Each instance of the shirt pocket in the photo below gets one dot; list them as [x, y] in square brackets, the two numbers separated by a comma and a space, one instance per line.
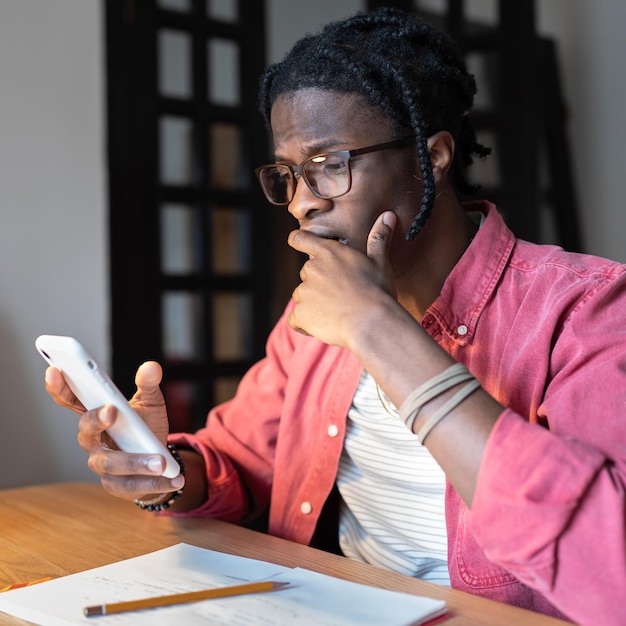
[473, 568]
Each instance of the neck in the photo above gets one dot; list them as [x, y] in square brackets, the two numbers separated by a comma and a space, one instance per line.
[442, 243]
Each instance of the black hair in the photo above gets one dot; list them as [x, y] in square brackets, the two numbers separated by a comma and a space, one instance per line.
[401, 65]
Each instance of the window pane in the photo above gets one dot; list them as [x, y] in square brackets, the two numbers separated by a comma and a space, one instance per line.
[230, 245]
[182, 326]
[227, 167]
[175, 5]
[223, 64]
[174, 64]
[181, 239]
[176, 158]
[484, 67]
[482, 12]
[223, 10]
[182, 400]
[232, 316]
[486, 172]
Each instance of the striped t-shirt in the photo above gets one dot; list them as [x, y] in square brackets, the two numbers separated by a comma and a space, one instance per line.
[392, 493]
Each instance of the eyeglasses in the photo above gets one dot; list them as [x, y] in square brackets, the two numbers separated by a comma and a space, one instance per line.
[326, 175]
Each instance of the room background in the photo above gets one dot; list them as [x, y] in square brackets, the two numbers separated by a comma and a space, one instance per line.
[53, 186]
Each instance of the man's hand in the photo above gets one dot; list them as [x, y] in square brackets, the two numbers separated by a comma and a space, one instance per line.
[122, 474]
[340, 283]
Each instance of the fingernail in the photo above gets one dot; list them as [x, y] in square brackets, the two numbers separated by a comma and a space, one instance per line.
[387, 219]
[178, 482]
[104, 415]
[155, 464]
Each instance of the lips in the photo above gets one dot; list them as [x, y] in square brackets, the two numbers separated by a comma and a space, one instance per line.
[329, 237]
[339, 239]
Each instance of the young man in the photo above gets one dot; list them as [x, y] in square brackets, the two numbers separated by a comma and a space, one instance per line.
[507, 482]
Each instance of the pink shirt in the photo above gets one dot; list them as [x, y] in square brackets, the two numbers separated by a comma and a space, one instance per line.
[545, 333]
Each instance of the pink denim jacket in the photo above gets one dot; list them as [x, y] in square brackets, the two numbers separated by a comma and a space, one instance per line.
[545, 333]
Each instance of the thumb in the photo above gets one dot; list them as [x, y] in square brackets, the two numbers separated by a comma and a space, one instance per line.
[380, 236]
[148, 378]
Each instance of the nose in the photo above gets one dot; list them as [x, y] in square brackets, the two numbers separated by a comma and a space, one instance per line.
[304, 202]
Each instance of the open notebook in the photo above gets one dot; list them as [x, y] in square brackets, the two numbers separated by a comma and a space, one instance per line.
[309, 599]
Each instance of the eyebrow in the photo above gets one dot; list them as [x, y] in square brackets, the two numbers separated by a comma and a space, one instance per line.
[330, 145]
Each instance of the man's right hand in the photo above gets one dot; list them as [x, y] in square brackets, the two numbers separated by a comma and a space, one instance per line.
[122, 474]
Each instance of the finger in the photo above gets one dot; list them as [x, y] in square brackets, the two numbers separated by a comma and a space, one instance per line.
[308, 243]
[293, 324]
[105, 462]
[91, 427]
[380, 236]
[60, 392]
[136, 486]
[149, 400]
[148, 380]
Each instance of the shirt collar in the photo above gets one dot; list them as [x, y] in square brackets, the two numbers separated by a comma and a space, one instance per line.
[472, 281]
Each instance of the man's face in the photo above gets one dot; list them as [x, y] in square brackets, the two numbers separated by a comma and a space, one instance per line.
[313, 121]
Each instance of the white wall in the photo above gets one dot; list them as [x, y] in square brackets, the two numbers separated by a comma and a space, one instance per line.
[53, 228]
[592, 51]
[53, 268]
[287, 21]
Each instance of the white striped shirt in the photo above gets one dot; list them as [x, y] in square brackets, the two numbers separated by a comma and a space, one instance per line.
[392, 493]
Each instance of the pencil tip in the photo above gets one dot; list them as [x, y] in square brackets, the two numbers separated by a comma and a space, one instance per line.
[93, 611]
[280, 585]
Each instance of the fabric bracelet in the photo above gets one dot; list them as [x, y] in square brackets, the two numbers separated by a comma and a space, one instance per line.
[432, 388]
[451, 404]
[165, 500]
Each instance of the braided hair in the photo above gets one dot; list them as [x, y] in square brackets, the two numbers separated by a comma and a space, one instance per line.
[400, 65]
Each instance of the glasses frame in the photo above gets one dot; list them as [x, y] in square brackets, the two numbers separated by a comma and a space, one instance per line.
[297, 171]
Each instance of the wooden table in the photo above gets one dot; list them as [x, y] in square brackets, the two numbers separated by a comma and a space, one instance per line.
[55, 530]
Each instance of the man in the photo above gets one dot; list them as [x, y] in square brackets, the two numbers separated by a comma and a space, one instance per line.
[508, 481]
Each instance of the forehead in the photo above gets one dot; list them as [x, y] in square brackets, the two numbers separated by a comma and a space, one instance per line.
[319, 118]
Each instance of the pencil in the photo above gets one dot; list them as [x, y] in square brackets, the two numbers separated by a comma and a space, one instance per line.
[28, 584]
[180, 598]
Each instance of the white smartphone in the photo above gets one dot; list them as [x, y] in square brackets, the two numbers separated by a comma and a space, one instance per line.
[94, 389]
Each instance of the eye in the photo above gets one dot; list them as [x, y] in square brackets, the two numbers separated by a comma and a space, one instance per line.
[330, 164]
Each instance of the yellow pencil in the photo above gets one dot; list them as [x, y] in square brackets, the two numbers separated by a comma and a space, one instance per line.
[28, 584]
[181, 598]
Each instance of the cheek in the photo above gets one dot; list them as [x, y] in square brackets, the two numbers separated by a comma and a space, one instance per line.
[406, 197]
[390, 187]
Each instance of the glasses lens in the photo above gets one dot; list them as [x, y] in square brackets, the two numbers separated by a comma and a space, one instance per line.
[328, 175]
[277, 183]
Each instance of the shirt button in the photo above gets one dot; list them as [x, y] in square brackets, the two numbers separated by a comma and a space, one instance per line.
[333, 430]
[306, 508]
[462, 330]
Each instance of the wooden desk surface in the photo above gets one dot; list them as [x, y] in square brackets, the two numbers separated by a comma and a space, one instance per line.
[55, 530]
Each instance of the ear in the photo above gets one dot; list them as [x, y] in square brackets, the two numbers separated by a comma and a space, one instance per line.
[441, 153]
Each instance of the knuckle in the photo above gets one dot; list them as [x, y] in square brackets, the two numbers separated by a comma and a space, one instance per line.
[131, 487]
[379, 237]
[97, 465]
[106, 462]
[89, 424]
[137, 464]
[82, 440]
[120, 486]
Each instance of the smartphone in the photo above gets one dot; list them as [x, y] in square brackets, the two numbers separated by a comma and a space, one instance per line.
[94, 389]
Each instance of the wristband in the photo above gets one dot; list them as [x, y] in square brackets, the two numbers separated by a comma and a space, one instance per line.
[449, 406]
[432, 388]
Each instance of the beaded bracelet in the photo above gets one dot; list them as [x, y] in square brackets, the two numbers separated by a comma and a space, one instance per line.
[164, 501]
